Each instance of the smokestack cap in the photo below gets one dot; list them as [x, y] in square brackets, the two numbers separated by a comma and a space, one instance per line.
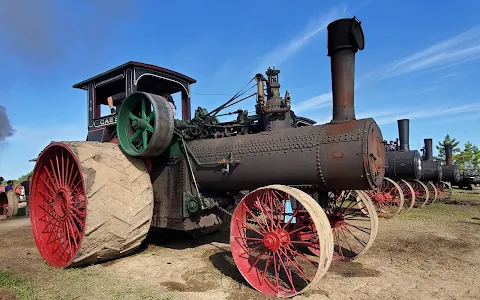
[345, 34]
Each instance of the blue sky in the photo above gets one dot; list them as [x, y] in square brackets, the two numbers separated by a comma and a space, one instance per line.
[421, 60]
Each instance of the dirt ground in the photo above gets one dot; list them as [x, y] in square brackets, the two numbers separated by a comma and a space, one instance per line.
[427, 253]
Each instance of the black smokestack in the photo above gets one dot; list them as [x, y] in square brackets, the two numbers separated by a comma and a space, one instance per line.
[6, 129]
[345, 38]
[403, 134]
[448, 153]
[428, 149]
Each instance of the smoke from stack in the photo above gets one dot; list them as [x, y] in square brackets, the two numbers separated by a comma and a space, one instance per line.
[6, 129]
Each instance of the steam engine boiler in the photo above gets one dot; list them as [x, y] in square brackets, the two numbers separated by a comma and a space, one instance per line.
[450, 172]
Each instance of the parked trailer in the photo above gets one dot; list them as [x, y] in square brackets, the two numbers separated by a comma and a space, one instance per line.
[143, 168]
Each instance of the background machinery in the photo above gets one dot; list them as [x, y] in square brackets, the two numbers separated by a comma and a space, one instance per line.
[401, 188]
[432, 173]
[97, 199]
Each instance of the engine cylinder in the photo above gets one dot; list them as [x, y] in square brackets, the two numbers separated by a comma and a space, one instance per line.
[332, 156]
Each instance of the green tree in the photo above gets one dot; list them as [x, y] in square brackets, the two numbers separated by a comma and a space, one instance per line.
[24, 177]
[441, 148]
[469, 157]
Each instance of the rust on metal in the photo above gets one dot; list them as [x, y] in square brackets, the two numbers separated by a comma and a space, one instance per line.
[345, 38]
[449, 154]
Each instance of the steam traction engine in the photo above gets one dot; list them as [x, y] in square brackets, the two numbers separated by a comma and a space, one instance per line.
[143, 168]
[401, 188]
[450, 173]
[432, 173]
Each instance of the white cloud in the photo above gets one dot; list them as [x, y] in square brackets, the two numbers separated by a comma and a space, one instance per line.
[283, 52]
[384, 117]
[451, 75]
[425, 112]
[322, 100]
[428, 89]
[458, 49]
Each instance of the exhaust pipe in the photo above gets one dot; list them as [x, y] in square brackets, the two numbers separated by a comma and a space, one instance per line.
[403, 134]
[428, 150]
[345, 38]
[449, 154]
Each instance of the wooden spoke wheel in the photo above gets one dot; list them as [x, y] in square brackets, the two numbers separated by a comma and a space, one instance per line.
[432, 191]
[444, 191]
[387, 198]
[421, 192]
[408, 195]
[265, 240]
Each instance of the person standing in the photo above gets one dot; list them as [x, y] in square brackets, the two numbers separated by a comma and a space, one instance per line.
[12, 200]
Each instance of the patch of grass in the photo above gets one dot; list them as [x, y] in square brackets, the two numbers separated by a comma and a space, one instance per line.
[466, 195]
[21, 287]
[442, 213]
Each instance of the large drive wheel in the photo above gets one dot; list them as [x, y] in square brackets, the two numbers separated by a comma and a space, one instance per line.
[387, 198]
[89, 203]
[265, 241]
[408, 195]
[444, 191]
[421, 193]
[432, 191]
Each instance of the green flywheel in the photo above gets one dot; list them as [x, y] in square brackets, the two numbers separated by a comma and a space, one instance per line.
[145, 124]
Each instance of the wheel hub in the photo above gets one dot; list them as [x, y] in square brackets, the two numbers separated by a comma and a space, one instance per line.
[275, 239]
[336, 219]
[379, 197]
[62, 202]
[139, 124]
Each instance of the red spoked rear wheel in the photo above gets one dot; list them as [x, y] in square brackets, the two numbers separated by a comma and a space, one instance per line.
[58, 206]
[265, 241]
[444, 191]
[421, 192]
[387, 198]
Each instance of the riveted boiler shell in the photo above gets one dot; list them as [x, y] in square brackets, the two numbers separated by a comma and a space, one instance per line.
[431, 171]
[451, 173]
[332, 156]
[403, 165]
